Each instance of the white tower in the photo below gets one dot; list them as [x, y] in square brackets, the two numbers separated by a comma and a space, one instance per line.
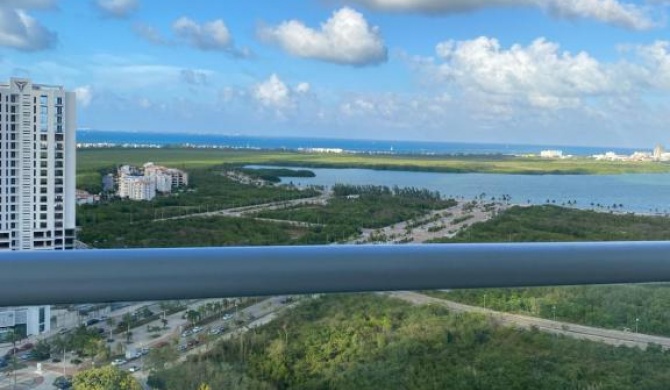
[37, 179]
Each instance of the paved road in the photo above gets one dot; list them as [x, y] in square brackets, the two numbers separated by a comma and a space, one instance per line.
[607, 336]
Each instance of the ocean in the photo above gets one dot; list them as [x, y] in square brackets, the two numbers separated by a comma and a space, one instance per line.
[348, 145]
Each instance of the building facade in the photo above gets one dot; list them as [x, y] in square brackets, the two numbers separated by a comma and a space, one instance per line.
[137, 187]
[143, 184]
[37, 178]
[27, 320]
[37, 166]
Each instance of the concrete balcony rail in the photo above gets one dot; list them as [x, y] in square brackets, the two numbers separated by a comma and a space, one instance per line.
[55, 277]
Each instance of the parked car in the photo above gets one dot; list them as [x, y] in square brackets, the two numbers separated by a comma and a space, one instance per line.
[119, 362]
[63, 382]
[227, 316]
[134, 369]
[215, 331]
[91, 321]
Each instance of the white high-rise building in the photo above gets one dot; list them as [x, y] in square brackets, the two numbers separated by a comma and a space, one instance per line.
[37, 178]
[37, 166]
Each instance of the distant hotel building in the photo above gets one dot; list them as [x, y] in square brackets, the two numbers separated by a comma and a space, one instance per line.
[37, 179]
[137, 185]
[551, 154]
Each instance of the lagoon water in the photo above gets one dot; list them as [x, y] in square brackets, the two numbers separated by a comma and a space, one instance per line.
[642, 193]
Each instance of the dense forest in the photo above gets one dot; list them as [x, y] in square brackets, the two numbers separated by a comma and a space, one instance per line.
[553, 223]
[372, 342]
[618, 307]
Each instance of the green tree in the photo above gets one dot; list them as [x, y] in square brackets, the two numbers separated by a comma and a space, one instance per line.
[105, 378]
[192, 316]
[158, 358]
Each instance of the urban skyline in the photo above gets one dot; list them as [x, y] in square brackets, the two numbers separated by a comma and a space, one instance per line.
[442, 70]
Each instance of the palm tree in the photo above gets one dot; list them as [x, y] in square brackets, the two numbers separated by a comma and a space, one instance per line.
[192, 316]
[110, 323]
[218, 307]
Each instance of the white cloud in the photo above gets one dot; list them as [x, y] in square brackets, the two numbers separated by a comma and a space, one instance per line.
[84, 95]
[627, 15]
[656, 60]
[273, 93]
[20, 31]
[620, 14]
[208, 36]
[212, 35]
[345, 38]
[302, 87]
[117, 8]
[538, 74]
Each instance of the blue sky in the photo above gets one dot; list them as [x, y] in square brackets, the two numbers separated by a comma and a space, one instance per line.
[580, 72]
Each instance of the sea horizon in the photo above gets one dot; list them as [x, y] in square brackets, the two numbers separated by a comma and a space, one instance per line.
[368, 146]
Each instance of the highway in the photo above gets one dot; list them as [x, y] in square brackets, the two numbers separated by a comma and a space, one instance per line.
[582, 332]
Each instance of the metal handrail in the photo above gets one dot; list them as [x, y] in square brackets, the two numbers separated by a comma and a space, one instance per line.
[54, 277]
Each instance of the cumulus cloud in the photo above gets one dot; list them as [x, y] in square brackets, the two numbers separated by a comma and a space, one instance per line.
[273, 92]
[345, 38]
[540, 74]
[117, 8]
[212, 35]
[656, 60]
[615, 12]
[279, 99]
[84, 95]
[208, 36]
[20, 31]
[620, 14]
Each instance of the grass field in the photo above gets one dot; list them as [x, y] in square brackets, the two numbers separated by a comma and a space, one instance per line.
[91, 161]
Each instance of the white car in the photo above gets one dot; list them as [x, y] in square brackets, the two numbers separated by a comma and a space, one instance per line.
[134, 369]
[118, 362]
[227, 316]
[197, 329]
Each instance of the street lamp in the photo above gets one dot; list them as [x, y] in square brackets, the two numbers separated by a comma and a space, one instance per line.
[553, 308]
[637, 321]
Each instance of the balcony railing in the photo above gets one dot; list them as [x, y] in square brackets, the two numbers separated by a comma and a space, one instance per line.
[41, 277]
